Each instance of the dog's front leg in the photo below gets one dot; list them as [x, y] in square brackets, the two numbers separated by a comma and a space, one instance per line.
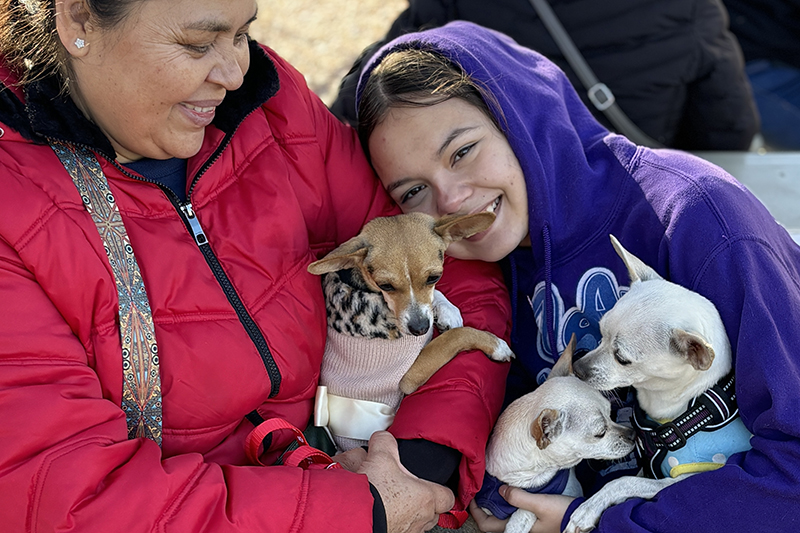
[446, 315]
[521, 521]
[586, 516]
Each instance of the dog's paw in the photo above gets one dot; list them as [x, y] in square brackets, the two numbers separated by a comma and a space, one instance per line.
[585, 517]
[409, 384]
[447, 315]
[502, 352]
[572, 528]
[521, 521]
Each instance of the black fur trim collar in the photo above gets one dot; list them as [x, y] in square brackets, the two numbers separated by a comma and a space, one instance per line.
[50, 114]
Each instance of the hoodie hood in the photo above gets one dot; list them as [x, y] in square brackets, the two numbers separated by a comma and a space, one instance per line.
[563, 151]
[571, 163]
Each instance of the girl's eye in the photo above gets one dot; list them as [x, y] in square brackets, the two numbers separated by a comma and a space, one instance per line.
[411, 193]
[462, 152]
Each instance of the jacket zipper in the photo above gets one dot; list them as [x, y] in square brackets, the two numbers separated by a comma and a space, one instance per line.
[189, 217]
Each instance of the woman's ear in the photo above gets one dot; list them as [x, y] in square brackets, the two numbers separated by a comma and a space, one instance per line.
[73, 26]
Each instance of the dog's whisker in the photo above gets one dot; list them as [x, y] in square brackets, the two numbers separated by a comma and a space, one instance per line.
[612, 396]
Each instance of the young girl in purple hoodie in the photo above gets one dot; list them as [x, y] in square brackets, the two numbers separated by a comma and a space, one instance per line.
[461, 119]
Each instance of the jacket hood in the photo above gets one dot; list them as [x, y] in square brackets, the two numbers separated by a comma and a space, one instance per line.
[562, 150]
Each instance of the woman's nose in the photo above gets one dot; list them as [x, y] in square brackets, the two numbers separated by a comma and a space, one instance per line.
[229, 71]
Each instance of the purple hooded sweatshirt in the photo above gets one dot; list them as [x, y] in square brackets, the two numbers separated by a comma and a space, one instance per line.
[688, 219]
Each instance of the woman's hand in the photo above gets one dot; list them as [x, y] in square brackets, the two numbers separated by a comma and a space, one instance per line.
[548, 508]
[412, 505]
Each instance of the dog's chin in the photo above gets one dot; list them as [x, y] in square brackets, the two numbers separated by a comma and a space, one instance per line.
[617, 454]
[604, 384]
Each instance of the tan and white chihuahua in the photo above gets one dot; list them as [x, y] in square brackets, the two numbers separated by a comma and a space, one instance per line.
[380, 286]
[670, 344]
[543, 434]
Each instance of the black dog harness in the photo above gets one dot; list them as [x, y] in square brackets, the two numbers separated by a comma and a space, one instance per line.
[713, 409]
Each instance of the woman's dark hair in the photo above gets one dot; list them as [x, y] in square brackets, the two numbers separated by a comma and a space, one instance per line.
[29, 42]
[416, 78]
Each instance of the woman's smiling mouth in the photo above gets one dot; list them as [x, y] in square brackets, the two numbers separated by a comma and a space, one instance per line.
[199, 115]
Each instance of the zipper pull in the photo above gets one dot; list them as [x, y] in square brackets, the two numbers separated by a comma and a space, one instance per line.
[197, 229]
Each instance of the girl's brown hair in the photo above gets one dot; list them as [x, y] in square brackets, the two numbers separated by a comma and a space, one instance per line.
[415, 78]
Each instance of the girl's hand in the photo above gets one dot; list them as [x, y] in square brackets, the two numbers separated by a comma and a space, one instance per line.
[548, 508]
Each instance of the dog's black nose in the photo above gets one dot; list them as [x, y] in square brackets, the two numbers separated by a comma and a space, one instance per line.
[419, 324]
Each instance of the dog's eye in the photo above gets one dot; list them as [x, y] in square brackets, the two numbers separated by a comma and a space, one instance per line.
[600, 434]
[386, 287]
[620, 360]
[433, 278]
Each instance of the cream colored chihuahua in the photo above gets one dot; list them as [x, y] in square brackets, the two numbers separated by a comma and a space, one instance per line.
[382, 305]
[669, 343]
[540, 436]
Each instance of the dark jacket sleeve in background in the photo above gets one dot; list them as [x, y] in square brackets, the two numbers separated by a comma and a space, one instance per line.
[674, 67]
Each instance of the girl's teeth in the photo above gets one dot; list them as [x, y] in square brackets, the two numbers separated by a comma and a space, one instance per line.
[494, 205]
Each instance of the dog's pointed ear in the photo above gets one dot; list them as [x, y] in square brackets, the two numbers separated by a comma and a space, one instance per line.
[453, 228]
[349, 254]
[547, 426]
[637, 270]
[697, 351]
[563, 366]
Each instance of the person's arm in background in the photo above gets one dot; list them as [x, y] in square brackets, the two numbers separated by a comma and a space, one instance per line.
[720, 112]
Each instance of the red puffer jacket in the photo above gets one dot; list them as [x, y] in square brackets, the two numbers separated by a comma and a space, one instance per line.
[278, 183]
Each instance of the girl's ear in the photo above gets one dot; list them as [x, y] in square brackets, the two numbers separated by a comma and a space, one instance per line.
[73, 26]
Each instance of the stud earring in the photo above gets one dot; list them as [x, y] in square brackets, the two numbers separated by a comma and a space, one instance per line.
[80, 43]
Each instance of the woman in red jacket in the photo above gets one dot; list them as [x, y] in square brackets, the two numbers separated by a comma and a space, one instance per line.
[166, 181]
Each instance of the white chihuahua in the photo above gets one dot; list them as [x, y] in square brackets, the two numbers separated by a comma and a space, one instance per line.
[669, 343]
[540, 436]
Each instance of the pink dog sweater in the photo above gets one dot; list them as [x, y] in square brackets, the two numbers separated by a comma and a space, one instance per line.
[359, 384]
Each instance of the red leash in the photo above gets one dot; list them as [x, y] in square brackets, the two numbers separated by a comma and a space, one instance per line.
[305, 456]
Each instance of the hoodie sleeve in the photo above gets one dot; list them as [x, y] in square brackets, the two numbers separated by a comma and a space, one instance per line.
[755, 283]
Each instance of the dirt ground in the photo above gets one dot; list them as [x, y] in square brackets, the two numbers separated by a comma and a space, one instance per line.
[321, 38]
